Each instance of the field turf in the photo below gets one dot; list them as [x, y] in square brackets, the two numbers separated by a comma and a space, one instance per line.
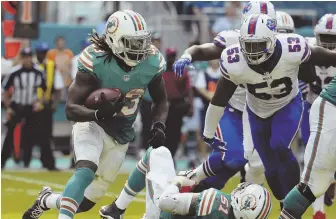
[19, 190]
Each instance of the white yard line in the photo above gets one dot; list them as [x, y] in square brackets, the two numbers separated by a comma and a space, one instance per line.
[53, 185]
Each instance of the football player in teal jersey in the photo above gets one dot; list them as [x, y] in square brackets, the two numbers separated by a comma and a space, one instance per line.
[123, 58]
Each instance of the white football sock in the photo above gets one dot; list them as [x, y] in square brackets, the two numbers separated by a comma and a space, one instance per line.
[318, 205]
[124, 200]
[51, 201]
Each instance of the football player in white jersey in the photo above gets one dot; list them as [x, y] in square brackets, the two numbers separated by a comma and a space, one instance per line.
[230, 128]
[325, 36]
[254, 168]
[267, 64]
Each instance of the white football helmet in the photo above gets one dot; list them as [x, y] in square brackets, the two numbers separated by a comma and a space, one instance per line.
[285, 23]
[325, 32]
[127, 35]
[258, 38]
[251, 201]
[258, 7]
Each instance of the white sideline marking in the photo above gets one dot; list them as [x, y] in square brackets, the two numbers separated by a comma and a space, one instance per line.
[51, 184]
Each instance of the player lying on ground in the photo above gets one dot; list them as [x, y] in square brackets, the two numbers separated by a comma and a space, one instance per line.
[136, 183]
[124, 59]
[319, 158]
[164, 200]
[267, 64]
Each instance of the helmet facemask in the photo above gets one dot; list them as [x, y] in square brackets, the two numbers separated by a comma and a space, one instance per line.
[256, 51]
[327, 41]
[133, 49]
[284, 30]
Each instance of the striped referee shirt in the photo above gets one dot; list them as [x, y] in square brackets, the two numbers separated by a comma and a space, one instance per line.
[25, 83]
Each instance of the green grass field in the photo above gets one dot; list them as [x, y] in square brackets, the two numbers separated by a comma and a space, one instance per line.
[19, 190]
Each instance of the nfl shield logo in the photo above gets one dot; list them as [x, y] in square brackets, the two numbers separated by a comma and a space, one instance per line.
[126, 78]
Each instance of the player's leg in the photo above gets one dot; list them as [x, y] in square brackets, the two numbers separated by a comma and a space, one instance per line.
[257, 134]
[230, 130]
[320, 161]
[88, 145]
[285, 125]
[160, 171]
[134, 184]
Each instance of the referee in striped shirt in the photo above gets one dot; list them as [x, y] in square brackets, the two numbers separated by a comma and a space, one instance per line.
[23, 106]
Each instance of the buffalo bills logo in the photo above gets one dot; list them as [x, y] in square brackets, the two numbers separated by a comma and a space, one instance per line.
[247, 8]
[112, 25]
[271, 24]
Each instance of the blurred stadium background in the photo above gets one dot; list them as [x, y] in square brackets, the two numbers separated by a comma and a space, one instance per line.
[175, 25]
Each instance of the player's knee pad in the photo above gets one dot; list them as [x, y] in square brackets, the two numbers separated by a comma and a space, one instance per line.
[87, 164]
[96, 190]
[305, 190]
[176, 203]
[85, 205]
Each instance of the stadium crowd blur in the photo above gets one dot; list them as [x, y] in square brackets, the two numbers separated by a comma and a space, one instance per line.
[62, 29]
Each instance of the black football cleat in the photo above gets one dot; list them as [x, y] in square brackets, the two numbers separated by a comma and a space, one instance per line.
[111, 212]
[36, 210]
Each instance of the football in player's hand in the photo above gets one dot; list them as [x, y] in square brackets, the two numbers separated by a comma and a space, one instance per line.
[98, 96]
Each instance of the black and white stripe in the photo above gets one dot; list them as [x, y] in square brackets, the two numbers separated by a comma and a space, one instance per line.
[25, 83]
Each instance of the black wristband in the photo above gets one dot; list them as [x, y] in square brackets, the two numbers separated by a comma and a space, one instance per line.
[159, 125]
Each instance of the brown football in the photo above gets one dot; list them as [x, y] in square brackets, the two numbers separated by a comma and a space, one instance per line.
[95, 98]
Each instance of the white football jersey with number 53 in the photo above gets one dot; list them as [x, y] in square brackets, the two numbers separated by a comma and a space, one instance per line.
[268, 91]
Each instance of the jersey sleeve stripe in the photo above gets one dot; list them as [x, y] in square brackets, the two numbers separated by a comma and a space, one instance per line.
[306, 53]
[85, 64]
[87, 55]
[85, 59]
[200, 210]
[220, 41]
[206, 202]
[211, 201]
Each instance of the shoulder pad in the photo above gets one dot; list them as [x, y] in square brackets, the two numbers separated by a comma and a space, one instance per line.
[226, 38]
[294, 47]
[232, 63]
[88, 58]
[157, 60]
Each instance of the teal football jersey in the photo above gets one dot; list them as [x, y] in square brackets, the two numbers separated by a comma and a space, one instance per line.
[132, 85]
[210, 204]
[329, 93]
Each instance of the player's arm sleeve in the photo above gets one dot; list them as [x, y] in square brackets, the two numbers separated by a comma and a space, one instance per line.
[322, 57]
[224, 91]
[220, 41]
[85, 62]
